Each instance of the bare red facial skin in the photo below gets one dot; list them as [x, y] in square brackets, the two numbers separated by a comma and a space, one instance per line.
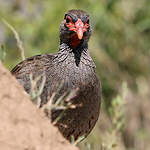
[79, 28]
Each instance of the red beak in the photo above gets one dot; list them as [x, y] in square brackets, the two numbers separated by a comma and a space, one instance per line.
[79, 28]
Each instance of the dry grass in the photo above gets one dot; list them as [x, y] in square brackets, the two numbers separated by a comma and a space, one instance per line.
[16, 35]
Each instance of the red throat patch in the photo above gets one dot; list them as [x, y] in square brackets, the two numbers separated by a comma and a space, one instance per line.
[74, 41]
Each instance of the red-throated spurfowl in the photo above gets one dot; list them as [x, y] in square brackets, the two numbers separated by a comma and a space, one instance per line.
[74, 66]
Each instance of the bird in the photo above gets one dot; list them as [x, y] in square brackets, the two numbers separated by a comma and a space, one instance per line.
[73, 65]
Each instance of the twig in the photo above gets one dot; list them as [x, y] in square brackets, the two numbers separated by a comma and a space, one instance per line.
[75, 142]
[35, 90]
[19, 42]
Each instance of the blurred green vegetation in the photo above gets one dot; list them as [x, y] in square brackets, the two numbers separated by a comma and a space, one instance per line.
[120, 46]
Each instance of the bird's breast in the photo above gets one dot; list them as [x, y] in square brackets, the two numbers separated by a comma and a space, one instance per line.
[76, 75]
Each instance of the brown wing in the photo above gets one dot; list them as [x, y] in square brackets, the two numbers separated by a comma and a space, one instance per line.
[35, 65]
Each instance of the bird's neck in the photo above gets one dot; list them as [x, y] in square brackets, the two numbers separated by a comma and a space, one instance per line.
[79, 54]
[78, 51]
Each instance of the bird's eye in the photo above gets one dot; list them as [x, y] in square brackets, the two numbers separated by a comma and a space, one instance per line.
[68, 19]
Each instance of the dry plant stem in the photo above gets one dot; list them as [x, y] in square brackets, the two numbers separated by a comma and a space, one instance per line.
[46, 108]
[117, 114]
[35, 93]
[48, 105]
[74, 143]
[19, 42]
[59, 104]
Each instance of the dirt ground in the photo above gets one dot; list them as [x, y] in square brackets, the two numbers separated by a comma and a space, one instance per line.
[22, 125]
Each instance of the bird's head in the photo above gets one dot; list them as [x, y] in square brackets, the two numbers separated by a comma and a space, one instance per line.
[75, 28]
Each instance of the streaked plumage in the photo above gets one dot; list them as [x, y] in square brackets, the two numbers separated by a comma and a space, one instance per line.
[74, 65]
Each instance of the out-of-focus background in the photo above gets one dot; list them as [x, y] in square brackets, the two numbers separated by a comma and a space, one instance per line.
[120, 47]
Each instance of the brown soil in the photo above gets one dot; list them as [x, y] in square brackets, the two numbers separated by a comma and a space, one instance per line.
[22, 125]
